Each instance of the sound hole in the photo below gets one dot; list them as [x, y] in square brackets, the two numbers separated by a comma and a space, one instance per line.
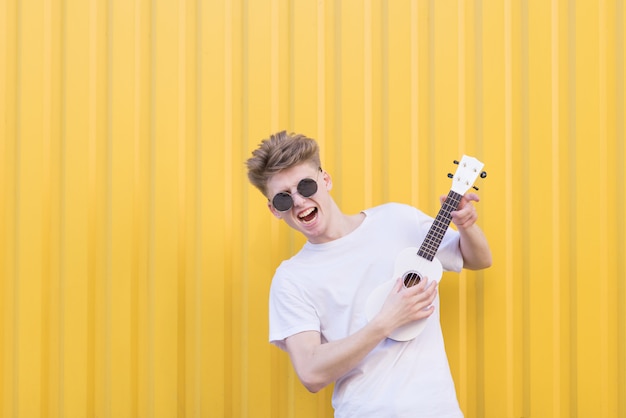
[411, 278]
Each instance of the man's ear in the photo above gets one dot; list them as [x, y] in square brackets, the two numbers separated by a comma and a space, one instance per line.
[276, 213]
[328, 181]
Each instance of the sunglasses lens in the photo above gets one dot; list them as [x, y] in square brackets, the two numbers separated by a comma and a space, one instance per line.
[307, 187]
[282, 201]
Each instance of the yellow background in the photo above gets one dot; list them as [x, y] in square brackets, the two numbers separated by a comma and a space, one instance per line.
[135, 259]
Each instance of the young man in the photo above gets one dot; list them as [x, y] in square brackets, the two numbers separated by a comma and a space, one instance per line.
[318, 297]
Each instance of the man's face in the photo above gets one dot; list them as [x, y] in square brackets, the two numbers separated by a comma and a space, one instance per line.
[307, 211]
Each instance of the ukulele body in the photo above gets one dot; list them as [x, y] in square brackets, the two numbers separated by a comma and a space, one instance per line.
[408, 264]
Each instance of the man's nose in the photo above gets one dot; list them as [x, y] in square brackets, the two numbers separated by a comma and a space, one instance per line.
[298, 199]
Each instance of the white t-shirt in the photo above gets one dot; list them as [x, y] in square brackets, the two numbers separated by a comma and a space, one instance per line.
[324, 288]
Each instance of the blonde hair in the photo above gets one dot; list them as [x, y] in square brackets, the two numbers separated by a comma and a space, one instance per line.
[279, 152]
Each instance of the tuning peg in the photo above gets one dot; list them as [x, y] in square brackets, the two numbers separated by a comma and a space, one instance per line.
[483, 174]
[475, 188]
[450, 175]
[455, 162]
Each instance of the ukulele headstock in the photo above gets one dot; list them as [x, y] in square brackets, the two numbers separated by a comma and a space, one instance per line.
[466, 174]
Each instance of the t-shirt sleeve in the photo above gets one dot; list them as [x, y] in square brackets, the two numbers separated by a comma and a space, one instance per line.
[290, 311]
[449, 253]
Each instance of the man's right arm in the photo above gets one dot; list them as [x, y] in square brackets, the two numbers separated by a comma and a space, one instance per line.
[319, 364]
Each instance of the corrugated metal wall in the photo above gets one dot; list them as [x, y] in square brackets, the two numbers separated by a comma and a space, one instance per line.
[135, 259]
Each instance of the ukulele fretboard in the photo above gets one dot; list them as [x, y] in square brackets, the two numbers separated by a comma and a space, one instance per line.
[431, 243]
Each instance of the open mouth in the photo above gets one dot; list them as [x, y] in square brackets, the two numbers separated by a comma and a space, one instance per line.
[308, 215]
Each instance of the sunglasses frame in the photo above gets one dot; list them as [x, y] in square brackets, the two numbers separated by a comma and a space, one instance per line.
[298, 187]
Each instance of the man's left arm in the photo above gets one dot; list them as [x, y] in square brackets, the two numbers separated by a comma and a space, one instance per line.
[473, 243]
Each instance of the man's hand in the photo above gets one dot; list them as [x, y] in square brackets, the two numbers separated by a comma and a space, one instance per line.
[408, 304]
[465, 216]
[474, 246]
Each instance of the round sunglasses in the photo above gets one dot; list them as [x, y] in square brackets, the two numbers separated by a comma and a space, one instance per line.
[283, 201]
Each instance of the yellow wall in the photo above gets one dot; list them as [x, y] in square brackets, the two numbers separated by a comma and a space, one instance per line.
[135, 259]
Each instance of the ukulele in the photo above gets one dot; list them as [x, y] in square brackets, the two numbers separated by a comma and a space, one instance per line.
[413, 264]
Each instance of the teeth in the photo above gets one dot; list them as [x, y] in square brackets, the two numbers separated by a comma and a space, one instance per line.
[305, 213]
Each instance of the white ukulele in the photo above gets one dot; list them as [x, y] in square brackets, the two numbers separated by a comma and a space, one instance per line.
[412, 264]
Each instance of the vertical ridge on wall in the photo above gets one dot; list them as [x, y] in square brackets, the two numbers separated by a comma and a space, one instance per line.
[73, 291]
[431, 109]
[63, 199]
[414, 114]
[46, 200]
[141, 239]
[108, 365]
[561, 128]
[274, 65]
[167, 194]
[183, 273]
[525, 155]
[19, 373]
[97, 221]
[384, 100]
[555, 131]
[199, 364]
[571, 149]
[152, 256]
[216, 122]
[603, 211]
[241, 359]
[229, 132]
[4, 244]
[187, 189]
[138, 226]
[338, 81]
[14, 288]
[367, 102]
[321, 127]
[620, 128]
[50, 228]
[290, 63]
[509, 258]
